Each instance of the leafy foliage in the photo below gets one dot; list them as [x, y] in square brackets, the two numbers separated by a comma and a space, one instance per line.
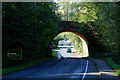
[103, 22]
[113, 65]
[80, 12]
[29, 26]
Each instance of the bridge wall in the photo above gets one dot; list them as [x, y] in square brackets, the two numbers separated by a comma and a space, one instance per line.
[74, 27]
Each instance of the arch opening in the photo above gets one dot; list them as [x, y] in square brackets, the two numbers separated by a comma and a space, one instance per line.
[70, 40]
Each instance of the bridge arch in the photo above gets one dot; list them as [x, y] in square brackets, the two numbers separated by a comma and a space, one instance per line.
[80, 35]
[83, 39]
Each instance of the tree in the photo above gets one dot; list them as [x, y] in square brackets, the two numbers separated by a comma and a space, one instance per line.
[102, 21]
[30, 27]
[81, 12]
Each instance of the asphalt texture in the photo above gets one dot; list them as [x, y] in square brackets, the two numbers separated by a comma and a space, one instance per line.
[62, 69]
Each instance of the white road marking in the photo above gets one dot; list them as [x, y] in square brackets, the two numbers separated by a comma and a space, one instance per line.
[85, 70]
[68, 60]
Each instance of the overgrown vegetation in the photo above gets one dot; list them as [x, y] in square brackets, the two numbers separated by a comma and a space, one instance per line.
[103, 22]
[113, 65]
[31, 26]
[24, 66]
[54, 53]
[28, 26]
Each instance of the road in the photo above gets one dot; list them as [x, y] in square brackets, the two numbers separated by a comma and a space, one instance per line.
[62, 52]
[81, 69]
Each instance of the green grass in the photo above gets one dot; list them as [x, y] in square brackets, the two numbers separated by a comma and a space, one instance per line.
[54, 53]
[23, 66]
[113, 65]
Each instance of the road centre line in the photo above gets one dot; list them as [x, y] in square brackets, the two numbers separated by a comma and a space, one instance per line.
[85, 70]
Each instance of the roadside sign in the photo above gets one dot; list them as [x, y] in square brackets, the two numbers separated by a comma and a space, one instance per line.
[15, 54]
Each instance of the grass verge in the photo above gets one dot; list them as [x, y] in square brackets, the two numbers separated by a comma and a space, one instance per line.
[113, 65]
[23, 66]
[54, 53]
